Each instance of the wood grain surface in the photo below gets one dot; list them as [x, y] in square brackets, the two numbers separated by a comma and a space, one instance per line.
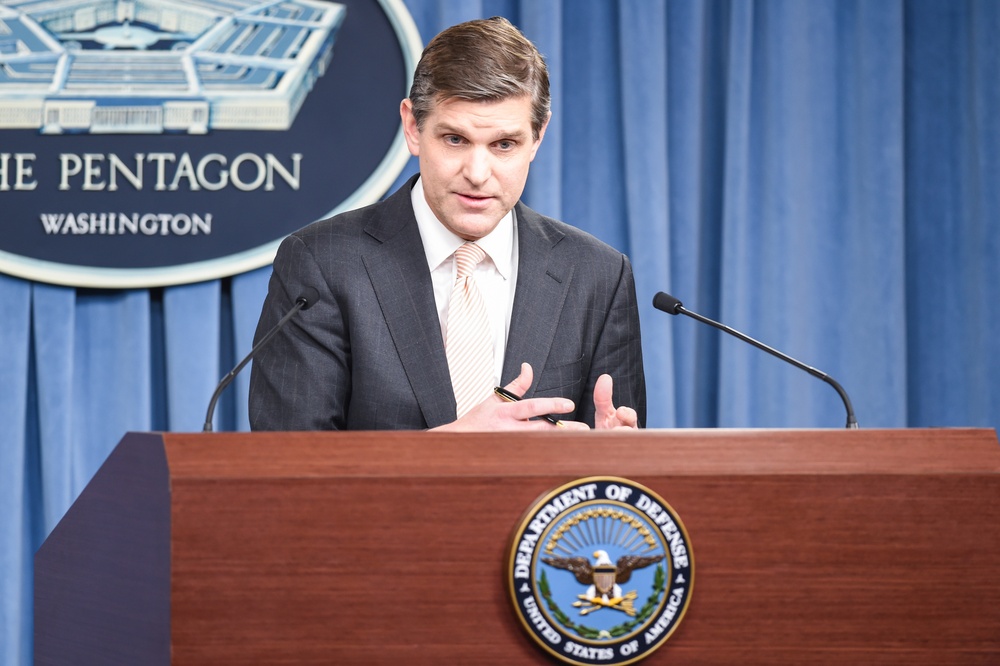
[810, 546]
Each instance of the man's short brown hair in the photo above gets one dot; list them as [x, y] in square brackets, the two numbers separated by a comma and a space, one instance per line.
[487, 60]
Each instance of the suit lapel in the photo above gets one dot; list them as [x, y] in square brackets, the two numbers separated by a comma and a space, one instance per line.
[542, 284]
[398, 272]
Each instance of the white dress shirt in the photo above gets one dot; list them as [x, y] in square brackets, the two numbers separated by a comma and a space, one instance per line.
[495, 275]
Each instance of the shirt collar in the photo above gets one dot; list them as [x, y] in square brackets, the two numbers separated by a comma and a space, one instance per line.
[440, 243]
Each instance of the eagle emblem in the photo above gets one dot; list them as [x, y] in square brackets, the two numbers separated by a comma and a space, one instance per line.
[600, 571]
[603, 579]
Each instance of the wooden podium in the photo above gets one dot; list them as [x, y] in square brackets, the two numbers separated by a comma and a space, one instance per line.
[810, 546]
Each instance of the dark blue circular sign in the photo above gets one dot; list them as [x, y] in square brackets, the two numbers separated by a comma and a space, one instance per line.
[147, 144]
[600, 571]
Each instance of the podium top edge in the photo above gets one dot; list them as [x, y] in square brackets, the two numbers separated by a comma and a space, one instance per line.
[680, 452]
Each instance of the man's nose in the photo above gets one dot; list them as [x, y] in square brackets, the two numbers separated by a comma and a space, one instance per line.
[478, 166]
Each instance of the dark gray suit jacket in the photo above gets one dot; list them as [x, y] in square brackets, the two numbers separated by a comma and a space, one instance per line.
[369, 354]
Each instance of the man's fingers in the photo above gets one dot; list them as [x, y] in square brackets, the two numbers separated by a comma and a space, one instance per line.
[603, 405]
[575, 425]
[522, 382]
[534, 407]
[628, 417]
[527, 411]
[602, 394]
[606, 415]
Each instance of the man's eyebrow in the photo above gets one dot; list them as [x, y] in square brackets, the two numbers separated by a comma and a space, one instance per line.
[517, 134]
[445, 128]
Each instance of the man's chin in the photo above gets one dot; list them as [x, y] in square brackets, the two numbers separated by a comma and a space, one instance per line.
[473, 227]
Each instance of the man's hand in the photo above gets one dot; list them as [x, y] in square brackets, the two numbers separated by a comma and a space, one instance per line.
[496, 414]
[606, 416]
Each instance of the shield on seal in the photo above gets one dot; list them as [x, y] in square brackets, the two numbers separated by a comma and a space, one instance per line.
[604, 578]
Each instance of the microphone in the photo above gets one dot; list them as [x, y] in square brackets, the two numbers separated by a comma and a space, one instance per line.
[308, 297]
[670, 305]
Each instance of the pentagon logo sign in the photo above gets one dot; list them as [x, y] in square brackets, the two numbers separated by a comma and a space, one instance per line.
[155, 142]
[600, 571]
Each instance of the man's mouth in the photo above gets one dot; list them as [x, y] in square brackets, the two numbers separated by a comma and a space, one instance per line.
[474, 199]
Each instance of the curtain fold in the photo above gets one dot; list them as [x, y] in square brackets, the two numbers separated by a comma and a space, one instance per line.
[811, 125]
[696, 89]
[248, 292]
[191, 313]
[16, 509]
[952, 235]
[645, 171]
[542, 22]
[54, 323]
[820, 175]
[111, 388]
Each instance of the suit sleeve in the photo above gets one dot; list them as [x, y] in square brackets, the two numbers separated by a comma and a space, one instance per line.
[301, 380]
[618, 351]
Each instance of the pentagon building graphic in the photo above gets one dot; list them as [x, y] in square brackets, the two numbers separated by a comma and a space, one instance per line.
[153, 66]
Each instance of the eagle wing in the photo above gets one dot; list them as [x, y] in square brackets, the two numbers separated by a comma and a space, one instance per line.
[578, 566]
[628, 563]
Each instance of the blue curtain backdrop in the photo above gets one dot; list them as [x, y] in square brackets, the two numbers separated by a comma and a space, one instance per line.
[822, 175]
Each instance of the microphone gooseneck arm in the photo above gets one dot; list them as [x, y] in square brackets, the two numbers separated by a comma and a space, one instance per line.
[308, 297]
[670, 305]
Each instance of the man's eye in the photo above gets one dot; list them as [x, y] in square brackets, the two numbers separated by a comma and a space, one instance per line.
[452, 139]
[505, 145]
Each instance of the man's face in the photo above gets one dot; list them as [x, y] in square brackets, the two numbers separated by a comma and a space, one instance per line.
[474, 159]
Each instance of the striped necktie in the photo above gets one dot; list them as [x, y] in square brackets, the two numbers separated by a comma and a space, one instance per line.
[470, 343]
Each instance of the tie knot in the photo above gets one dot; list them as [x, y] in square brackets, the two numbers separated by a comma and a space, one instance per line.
[467, 257]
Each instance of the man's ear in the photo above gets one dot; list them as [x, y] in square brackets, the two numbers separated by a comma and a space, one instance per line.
[410, 130]
[541, 135]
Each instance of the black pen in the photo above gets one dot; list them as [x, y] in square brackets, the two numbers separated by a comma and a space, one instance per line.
[513, 397]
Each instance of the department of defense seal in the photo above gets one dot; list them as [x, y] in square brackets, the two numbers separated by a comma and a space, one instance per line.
[600, 571]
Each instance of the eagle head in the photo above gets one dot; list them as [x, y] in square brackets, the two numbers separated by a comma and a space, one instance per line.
[602, 559]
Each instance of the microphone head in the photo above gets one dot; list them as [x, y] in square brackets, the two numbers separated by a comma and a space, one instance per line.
[667, 303]
[308, 297]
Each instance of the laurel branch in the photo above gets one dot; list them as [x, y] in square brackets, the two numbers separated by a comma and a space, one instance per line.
[659, 585]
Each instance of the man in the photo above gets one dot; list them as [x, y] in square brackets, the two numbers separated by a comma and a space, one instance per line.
[375, 351]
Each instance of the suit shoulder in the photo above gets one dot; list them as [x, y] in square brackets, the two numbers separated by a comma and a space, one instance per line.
[342, 235]
[567, 238]
[348, 223]
[378, 221]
